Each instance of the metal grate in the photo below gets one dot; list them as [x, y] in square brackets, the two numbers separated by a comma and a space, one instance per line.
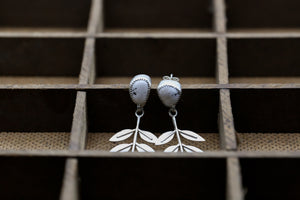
[65, 67]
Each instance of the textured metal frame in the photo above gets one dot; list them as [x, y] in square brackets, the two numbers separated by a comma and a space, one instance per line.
[86, 83]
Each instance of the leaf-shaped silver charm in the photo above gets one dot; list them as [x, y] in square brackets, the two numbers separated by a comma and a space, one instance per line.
[121, 148]
[190, 135]
[122, 135]
[147, 136]
[144, 148]
[165, 138]
[173, 148]
[191, 149]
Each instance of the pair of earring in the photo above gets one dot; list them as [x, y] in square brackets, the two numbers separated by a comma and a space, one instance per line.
[169, 92]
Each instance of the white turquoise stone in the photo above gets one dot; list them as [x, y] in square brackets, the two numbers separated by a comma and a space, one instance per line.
[169, 92]
[139, 89]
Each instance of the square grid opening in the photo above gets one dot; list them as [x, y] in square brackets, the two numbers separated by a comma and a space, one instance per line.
[44, 15]
[267, 120]
[40, 60]
[171, 179]
[264, 60]
[192, 59]
[262, 16]
[36, 119]
[158, 16]
[259, 181]
[31, 178]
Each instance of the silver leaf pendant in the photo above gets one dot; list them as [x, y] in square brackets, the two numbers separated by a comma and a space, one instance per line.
[126, 133]
[189, 135]
[139, 90]
[169, 92]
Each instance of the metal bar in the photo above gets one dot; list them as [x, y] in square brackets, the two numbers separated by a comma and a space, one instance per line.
[234, 180]
[86, 87]
[40, 33]
[70, 181]
[79, 124]
[219, 16]
[226, 124]
[102, 154]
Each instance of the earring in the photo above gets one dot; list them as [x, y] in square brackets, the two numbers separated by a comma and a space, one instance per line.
[169, 92]
[139, 90]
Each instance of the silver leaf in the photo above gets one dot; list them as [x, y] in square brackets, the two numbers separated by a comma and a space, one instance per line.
[176, 150]
[190, 135]
[173, 148]
[144, 148]
[122, 135]
[147, 136]
[165, 138]
[191, 149]
[121, 148]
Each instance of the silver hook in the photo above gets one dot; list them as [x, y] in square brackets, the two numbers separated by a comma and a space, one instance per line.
[171, 77]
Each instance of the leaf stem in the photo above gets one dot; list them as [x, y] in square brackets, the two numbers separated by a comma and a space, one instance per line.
[136, 132]
[177, 133]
